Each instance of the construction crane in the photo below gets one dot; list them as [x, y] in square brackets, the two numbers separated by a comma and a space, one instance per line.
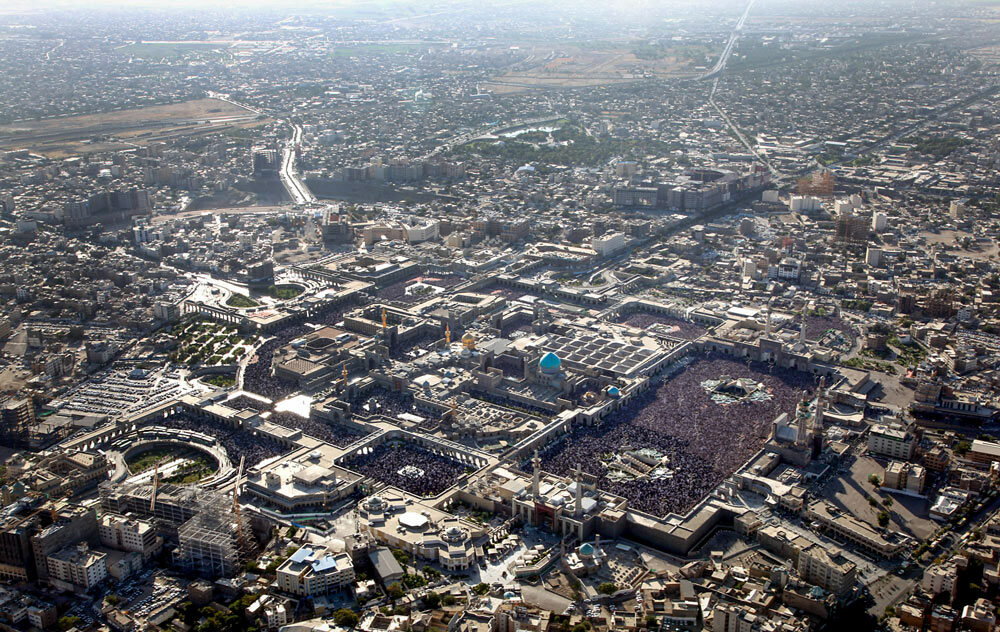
[156, 488]
[236, 505]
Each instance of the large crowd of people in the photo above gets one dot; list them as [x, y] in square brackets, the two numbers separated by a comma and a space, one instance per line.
[337, 435]
[704, 441]
[495, 289]
[242, 401]
[414, 348]
[236, 441]
[387, 461]
[642, 320]
[258, 378]
[397, 291]
[816, 326]
[381, 401]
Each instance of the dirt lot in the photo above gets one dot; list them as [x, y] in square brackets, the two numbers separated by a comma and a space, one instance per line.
[62, 136]
[575, 68]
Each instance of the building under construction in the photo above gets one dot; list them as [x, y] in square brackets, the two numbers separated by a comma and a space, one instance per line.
[174, 504]
[819, 183]
[213, 537]
[215, 542]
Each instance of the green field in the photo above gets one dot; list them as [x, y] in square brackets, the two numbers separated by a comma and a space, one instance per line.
[238, 300]
[283, 292]
[198, 468]
[149, 459]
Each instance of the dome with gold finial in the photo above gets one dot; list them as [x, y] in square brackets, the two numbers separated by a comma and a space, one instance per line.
[469, 340]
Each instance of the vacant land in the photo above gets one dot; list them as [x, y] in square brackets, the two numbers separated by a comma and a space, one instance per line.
[585, 66]
[63, 136]
[173, 50]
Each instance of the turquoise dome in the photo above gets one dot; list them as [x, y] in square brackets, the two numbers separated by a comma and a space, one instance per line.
[614, 392]
[586, 549]
[550, 363]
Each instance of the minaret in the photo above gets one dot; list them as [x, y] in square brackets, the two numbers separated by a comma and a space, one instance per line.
[385, 320]
[802, 329]
[579, 490]
[767, 325]
[343, 374]
[536, 474]
[801, 417]
[447, 334]
[816, 426]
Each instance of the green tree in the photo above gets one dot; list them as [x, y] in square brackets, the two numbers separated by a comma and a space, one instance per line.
[345, 618]
[432, 600]
[883, 519]
[395, 591]
[66, 623]
[607, 588]
[481, 589]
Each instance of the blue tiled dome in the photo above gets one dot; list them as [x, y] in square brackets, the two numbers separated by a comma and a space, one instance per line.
[550, 363]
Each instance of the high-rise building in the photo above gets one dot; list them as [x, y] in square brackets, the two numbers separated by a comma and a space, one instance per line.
[827, 568]
[77, 567]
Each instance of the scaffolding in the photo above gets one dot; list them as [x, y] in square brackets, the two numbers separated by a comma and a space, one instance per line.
[204, 522]
[209, 543]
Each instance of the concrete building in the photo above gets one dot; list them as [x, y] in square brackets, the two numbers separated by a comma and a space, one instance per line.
[892, 441]
[72, 525]
[608, 245]
[941, 578]
[315, 570]
[827, 568]
[77, 567]
[421, 530]
[129, 534]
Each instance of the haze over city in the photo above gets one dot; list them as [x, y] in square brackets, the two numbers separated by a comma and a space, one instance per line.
[557, 317]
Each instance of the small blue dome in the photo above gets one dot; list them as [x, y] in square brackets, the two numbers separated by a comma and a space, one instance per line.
[550, 363]
[586, 549]
[614, 392]
[509, 595]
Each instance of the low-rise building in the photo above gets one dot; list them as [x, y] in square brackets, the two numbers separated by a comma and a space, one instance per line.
[315, 570]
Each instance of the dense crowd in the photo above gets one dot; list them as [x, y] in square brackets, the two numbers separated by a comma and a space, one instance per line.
[242, 401]
[257, 378]
[338, 435]
[704, 441]
[816, 326]
[515, 325]
[498, 290]
[642, 320]
[385, 462]
[414, 348]
[397, 291]
[381, 401]
[236, 441]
